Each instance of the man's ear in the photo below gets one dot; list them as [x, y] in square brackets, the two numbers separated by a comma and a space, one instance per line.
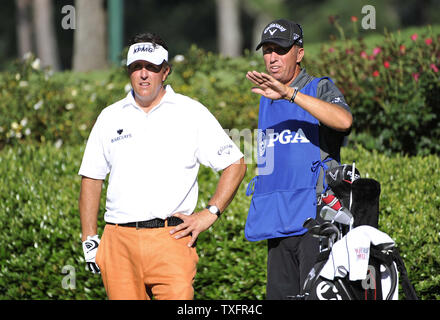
[166, 72]
[300, 55]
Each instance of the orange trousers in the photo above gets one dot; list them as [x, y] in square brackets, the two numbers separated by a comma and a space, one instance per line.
[141, 264]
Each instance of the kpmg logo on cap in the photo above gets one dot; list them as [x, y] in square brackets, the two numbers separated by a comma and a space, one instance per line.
[143, 48]
[147, 51]
[276, 27]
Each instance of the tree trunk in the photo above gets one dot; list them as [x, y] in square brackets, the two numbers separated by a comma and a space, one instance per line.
[47, 49]
[228, 27]
[23, 27]
[263, 12]
[90, 38]
[261, 20]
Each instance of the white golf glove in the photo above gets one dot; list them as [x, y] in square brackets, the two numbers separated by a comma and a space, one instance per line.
[90, 247]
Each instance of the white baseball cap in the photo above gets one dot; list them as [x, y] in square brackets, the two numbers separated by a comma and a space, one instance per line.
[147, 51]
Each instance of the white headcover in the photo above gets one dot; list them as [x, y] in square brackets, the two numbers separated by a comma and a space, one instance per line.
[146, 51]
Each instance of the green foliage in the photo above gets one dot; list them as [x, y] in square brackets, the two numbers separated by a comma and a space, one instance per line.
[38, 105]
[220, 83]
[230, 267]
[39, 222]
[40, 226]
[393, 90]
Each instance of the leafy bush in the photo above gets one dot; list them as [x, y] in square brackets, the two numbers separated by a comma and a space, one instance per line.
[38, 105]
[394, 90]
[220, 84]
[40, 244]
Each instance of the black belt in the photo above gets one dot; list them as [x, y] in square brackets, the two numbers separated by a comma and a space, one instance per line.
[153, 223]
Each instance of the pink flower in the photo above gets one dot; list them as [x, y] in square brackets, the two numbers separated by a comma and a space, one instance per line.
[375, 73]
[376, 51]
[331, 50]
[349, 51]
[364, 55]
[434, 67]
[416, 76]
[354, 18]
[386, 64]
[414, 37]
[428, 41]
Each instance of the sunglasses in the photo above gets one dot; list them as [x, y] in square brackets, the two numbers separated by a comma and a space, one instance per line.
[136, 66]
[277, 49]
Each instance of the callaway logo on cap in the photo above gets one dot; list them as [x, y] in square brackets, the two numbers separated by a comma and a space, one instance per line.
[283, 32]
[147, 51]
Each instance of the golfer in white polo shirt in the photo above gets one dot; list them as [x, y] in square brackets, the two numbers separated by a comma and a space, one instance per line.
[151, 144]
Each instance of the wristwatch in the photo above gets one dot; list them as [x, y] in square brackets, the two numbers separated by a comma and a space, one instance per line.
[295, 91]
[214, 210]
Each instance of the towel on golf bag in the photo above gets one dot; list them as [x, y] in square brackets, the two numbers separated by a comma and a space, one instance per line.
[385, 270]
[381, 282]
[374, 261]
[351, 254]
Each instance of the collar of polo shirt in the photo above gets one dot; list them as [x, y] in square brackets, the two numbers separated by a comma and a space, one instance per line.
[147, 51]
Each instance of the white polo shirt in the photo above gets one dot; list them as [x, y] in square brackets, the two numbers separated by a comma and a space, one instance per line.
[153, 158]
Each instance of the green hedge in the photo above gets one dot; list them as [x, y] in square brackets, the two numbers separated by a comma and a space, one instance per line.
[41, 229]
[38, 105]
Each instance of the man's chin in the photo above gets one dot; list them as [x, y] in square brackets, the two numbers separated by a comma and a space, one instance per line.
[142, 93]
[276, 76]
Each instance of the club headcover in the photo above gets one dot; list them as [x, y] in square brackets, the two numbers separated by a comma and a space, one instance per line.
[339, 180]
[365, 202]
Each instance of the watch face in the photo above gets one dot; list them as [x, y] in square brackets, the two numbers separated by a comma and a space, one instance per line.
[213, 210]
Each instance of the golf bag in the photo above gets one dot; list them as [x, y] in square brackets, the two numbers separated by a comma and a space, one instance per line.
[356, 260]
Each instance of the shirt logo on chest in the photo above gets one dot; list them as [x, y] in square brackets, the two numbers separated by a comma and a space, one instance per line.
[120, 136]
